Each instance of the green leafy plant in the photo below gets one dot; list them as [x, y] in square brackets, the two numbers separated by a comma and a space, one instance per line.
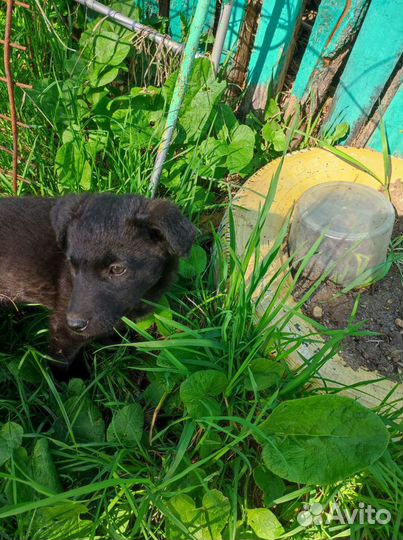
[194, 425]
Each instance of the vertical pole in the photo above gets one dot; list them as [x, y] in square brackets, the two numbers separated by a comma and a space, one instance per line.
[221, 32]
[182, 81]
[10, 88]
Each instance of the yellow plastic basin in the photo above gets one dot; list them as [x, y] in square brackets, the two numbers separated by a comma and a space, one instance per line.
[300, 171]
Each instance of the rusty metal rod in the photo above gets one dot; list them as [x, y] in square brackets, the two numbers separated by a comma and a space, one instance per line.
[10, 88]
[21, 178]
[6, 150]
[20, 85]
[13, 45]
[19, 4]
[10, 119]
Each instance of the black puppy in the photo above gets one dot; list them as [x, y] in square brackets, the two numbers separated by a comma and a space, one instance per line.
[90, 259]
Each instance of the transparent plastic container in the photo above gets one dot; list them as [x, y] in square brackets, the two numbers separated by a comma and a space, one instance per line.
[355, 223]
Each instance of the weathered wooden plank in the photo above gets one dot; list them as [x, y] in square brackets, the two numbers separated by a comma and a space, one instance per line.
[366, 133]
[273, 48]
[393, 119]
[336, 25]
[184, 9]
[375, 54]
[239, 66]
[149, 8]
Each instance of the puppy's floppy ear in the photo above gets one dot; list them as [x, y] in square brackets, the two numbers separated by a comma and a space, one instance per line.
[167, 222]
[62, 213]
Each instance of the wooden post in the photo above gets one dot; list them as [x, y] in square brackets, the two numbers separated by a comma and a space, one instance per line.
[273, 48]
[237, 76]
[185, 9]
[336, 25]
[375, 54]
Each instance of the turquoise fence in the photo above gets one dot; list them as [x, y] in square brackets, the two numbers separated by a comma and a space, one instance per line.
[352, 60]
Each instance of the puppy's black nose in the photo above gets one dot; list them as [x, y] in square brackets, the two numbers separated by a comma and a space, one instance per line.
[76, 324]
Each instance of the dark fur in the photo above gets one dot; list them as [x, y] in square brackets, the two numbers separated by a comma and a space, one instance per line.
[57, 252]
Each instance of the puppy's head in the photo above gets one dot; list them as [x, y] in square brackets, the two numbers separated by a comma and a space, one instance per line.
[120, 250]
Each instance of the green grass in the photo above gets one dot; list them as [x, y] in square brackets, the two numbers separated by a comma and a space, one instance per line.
[71, 475]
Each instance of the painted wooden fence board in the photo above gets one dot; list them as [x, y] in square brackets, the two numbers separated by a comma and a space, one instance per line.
[274, 45]
[375, 53]
[336, 24]
[149, 8]
[186, 8]
[393, 119]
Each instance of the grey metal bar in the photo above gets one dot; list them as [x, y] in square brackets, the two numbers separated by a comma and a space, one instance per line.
[221, 33]
[185, 71]
[135, 26]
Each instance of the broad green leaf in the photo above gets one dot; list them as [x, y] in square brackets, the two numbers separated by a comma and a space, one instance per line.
[71, 133]
[339, 133]
[106, 76]
[195, 117]
[206, 406]
[65, 510]
[128, 8]
[280, 141]
[204, 383]
[322, 439]
[273, 134]
[272, 485]
[71, 164]
[225, 122]
[86, 175]
[97, 141]
[16, 488]
[266, 373]
[272, 109]
[184, 506]
[213, 153]
[216, 509]
[86, 419]
[12, 433]
[154, 392]
[110, 49]
[264, 523]
[145, 324]
[202, 74]
[203, 523]
[67, 529]
[134, 128]
[210, 444]
[163, 311]
[76, 387]
[26, 371]
[43, 468]
[5, 450]
[198, 391]
[127, 425]
[195, 264]
[240, 149]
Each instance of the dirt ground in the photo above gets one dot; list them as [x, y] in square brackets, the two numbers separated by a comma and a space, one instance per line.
[381, 307]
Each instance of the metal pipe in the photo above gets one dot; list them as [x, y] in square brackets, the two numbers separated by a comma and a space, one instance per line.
[182, 81]
[135, 26]
[222, 29]
[10, 87]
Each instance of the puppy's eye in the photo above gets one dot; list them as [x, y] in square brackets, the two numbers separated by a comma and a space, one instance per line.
[117, 269]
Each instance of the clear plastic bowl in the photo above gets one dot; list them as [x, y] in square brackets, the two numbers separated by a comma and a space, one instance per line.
[355, 224]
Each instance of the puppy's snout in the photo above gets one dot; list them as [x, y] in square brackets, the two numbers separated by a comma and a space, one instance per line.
[74, 322]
